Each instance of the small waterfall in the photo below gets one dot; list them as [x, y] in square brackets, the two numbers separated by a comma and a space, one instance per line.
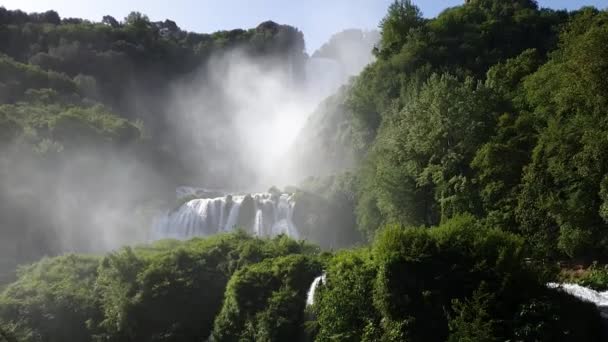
[259, 222]
[262, 214]
[600, 299]
[233, 216]
[283, 223]
[310, 298]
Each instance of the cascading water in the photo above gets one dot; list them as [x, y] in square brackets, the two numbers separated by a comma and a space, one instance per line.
[262, 214]
[600, 299]
[310, 297]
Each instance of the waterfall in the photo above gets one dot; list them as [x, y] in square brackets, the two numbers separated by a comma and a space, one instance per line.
[233, 215]
[600, 299]
[262, 214]
[310, 297]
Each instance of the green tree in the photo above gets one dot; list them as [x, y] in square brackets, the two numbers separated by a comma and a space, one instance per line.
[265, 302]
[567, 167]
[402, 17]
[472, 321]
[422, 173]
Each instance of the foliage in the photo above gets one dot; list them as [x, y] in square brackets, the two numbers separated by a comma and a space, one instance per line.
[52, 300]
[265, 301]
[472, 321]
[342, 304]
[481, 130]
[556, 316]
[594, 277]
[567, 164]
[421, 172]
[179, 286]
[400, 289]
[455, 118]
[402, 18]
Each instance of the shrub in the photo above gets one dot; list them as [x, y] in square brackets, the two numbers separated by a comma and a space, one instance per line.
[265, 301]
[52, 300]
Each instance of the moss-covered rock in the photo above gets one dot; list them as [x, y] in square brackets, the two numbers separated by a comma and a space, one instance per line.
[247, 213]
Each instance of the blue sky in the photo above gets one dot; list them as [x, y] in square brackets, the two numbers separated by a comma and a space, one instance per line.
[318, 19]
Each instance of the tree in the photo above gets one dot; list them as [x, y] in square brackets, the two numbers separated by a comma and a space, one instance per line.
[137, 19]
[51, 17]
[423, 152]
[472, 320]
[395, 27]
[568, 164]
[109, 20]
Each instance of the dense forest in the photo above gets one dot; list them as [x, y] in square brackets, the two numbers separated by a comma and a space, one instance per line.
[464, 167]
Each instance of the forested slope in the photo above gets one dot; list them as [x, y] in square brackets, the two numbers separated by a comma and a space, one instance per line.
[471, 154]
[493, 108]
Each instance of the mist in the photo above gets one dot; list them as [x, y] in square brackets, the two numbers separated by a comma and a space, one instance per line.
[263, 107]
[230, 125]
[91, 200]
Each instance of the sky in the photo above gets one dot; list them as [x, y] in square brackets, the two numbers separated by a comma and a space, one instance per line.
[318, 19]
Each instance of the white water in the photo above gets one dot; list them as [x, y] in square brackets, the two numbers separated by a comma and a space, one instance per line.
[600, 299]
[272, 215]
[310, 298]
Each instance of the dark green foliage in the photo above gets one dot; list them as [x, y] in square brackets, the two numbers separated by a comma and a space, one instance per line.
[594, 277]
[265, 302]
[465, 40]
[174, 295]
[562, 186]
[17, 78]
[422, 270]
[169, 291]
[71, 126]
[343, 306]
[461, 281]
[493, 108]
[421, 172]
[402, 18]
[556, 316]
[52, 300]
[472, 320]
[484, 128]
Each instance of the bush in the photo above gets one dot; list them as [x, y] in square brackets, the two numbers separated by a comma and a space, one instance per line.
[343, 304]
[461, 281]
[265, 301]
[595, 277]
[52, 300]
[167, 291]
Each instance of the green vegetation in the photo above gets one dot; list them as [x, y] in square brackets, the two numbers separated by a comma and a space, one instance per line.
[179, 286]
[493, 108]
[459, 281]
[595, 277]
[471, 155]
[265, 301]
